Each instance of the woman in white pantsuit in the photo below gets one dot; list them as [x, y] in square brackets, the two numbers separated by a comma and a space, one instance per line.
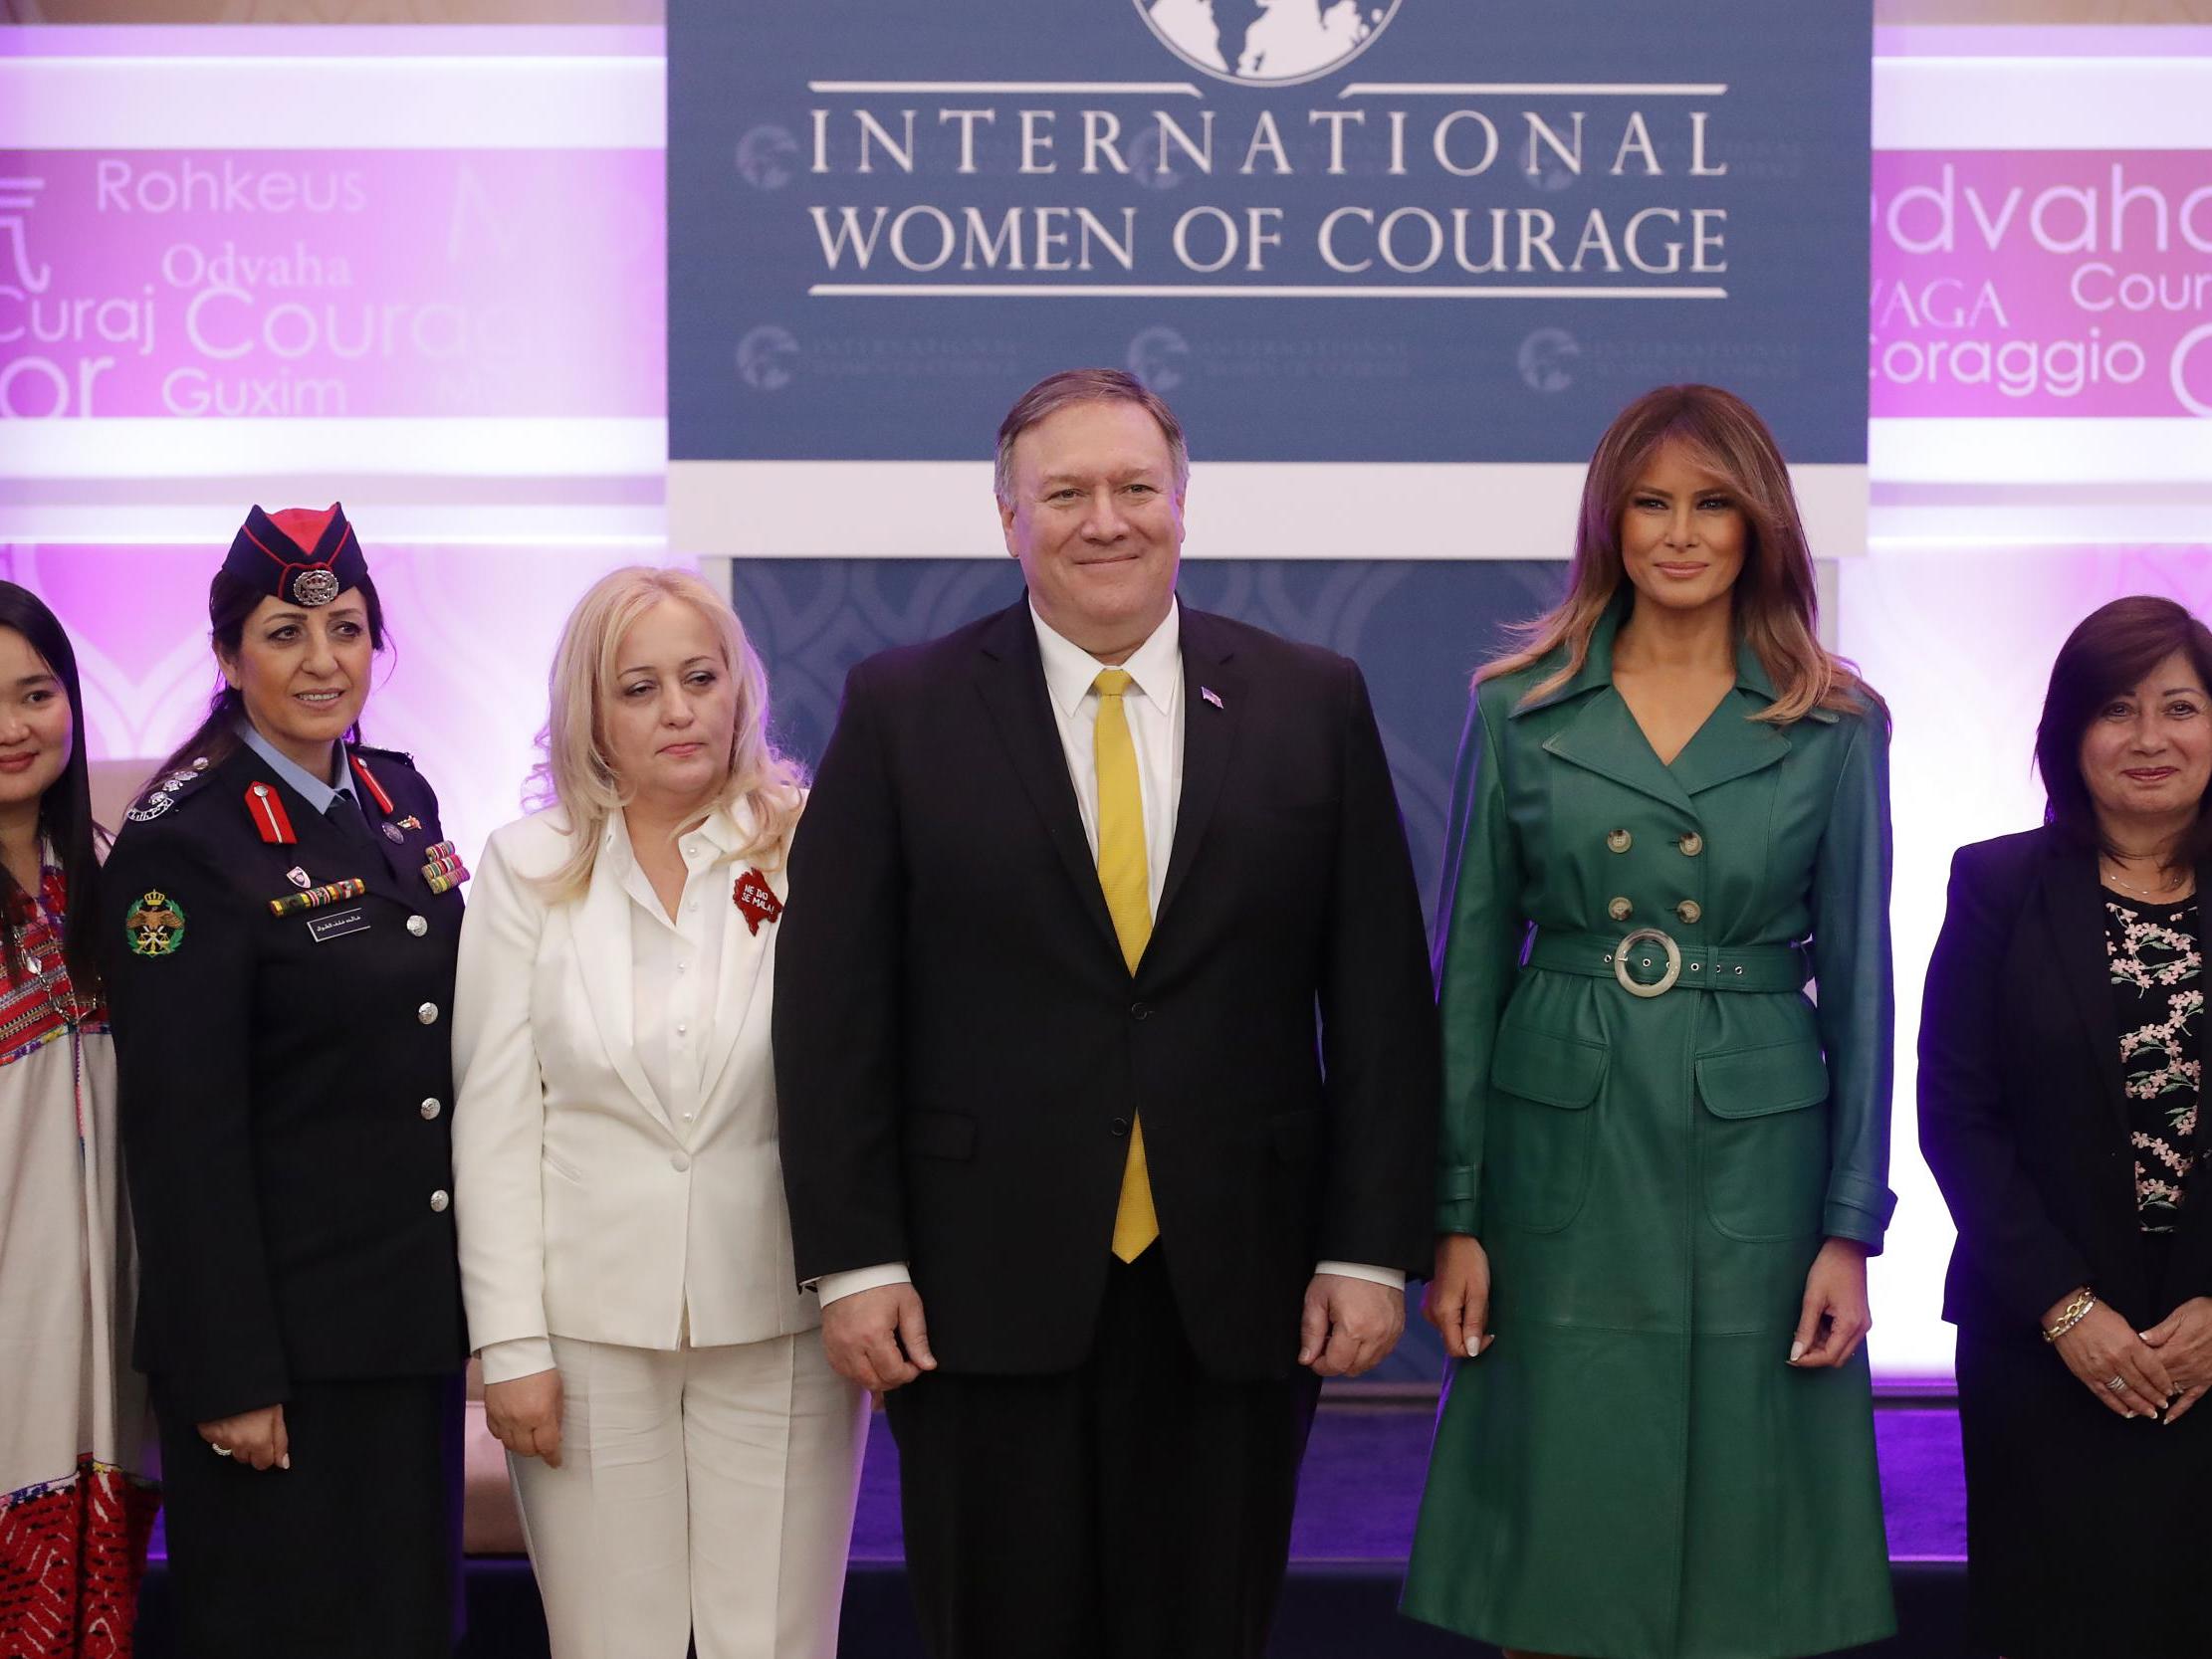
[685, 1458]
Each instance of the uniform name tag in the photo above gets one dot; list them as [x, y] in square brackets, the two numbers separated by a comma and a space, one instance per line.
[336, 926]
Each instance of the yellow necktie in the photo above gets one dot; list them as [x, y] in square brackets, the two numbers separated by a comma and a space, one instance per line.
[1122, 875]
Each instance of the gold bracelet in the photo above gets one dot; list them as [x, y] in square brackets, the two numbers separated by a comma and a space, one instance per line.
[2073, 1314]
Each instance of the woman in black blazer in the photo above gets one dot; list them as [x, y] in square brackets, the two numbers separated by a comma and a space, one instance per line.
[2062, 1066]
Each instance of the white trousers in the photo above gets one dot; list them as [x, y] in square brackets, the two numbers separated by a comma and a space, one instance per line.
[706, 1494]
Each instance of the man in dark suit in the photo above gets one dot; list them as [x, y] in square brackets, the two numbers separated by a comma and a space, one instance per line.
[1107, 1066]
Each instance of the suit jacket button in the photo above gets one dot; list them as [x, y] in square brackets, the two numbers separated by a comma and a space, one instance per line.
[427, 1013]
[1140, 1010]
[431, 1110]
[1119, 1126]
[439, 1200]
[679, 1162]
[417, 927]
[1619, 841]
[1689, 910]
[1691, 844]
[1620, 909]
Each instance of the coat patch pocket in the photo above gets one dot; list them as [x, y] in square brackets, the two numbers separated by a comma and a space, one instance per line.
[1765, 1151]
[1537, 1145]
[941, 1135]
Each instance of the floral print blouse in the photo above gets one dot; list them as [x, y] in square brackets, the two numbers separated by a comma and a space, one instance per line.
[2158, 961]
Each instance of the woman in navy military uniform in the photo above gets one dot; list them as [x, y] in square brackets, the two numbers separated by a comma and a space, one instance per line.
[283, 922]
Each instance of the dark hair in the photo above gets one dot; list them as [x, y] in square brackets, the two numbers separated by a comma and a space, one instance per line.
[65, 811]
[2107, 656]
[1085, 385]
[229, 603]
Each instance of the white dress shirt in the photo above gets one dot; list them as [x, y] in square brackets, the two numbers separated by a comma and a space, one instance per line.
[675, 980]
[1153, 708]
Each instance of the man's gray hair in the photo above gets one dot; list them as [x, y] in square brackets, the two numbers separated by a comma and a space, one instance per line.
[1086, 385]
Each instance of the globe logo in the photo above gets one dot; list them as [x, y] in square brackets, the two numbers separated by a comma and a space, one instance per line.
[1544, 358]
[766, 357]
[1157, 356]
[1266, 42]
[768, 158]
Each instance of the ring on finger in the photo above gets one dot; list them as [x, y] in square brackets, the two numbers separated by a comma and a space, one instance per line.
[219, 1451]
[2118, 1385]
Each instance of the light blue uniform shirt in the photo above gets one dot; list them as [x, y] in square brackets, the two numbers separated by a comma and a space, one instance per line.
[316, 792]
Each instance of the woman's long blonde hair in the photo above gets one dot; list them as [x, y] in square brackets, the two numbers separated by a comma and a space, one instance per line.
[1775, 601]
[576, 774]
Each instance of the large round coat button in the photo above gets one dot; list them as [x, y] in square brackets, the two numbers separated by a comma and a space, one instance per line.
[1619, 841]
[439, 1200]
[427, 1013]
[417, 926]
[431, 1110]
[1620, 909]
[1119, 1126]
[1691, 844]
[1689, 910]
[679, 1161]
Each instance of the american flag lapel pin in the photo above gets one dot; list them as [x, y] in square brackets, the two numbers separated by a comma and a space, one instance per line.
[1212, 696]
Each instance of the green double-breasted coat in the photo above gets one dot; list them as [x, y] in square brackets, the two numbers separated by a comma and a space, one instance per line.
[1631, 1470]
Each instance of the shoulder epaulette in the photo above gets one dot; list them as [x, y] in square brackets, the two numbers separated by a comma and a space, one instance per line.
[398, 754]
[167, 790]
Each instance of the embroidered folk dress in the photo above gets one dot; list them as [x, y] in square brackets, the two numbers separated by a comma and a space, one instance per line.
[76, 1506]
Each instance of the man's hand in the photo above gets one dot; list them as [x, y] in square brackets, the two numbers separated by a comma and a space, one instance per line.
[524, 1415]
[1349, 1324]
[877, 1337]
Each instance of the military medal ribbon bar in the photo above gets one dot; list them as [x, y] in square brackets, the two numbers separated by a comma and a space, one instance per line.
[293, 904]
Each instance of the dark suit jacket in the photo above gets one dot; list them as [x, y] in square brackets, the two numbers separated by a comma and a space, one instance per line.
[959, 1049]
[2022, 1115]
[272, 1080]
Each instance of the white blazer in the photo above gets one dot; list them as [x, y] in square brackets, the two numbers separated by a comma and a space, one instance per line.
[582, 1209]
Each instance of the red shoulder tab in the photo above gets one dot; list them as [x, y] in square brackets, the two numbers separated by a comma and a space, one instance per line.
[266, 807]
[361, 771]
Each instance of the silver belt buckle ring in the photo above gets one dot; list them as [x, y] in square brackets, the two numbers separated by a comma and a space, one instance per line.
[1666, 982]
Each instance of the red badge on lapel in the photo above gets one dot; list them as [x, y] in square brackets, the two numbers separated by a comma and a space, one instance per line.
[756, 899]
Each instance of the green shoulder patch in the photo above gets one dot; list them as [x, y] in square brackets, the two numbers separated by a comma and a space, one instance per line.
[154, 925]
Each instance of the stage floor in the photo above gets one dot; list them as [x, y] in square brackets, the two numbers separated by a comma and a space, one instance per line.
[1358, 1496]
[1363, 1471]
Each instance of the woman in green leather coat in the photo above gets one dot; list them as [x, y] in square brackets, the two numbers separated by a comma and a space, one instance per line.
[1664, 1160]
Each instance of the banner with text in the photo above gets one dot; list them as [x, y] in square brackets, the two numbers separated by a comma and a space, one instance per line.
[1355, 232]
[297, 283]
[2041, 284]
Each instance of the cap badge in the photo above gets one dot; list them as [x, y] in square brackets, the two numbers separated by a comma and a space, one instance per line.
[317, 586]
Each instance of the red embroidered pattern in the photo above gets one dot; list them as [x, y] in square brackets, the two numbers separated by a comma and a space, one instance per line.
[71, 1556]
[41, 1005]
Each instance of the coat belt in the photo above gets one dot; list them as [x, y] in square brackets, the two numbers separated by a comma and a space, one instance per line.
[1748, 967]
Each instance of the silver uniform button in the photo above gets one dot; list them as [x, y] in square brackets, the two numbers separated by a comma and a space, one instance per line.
[439, 1200]
[431, 1110]
[680, 1163]
[427, 1013]
[417, 926]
